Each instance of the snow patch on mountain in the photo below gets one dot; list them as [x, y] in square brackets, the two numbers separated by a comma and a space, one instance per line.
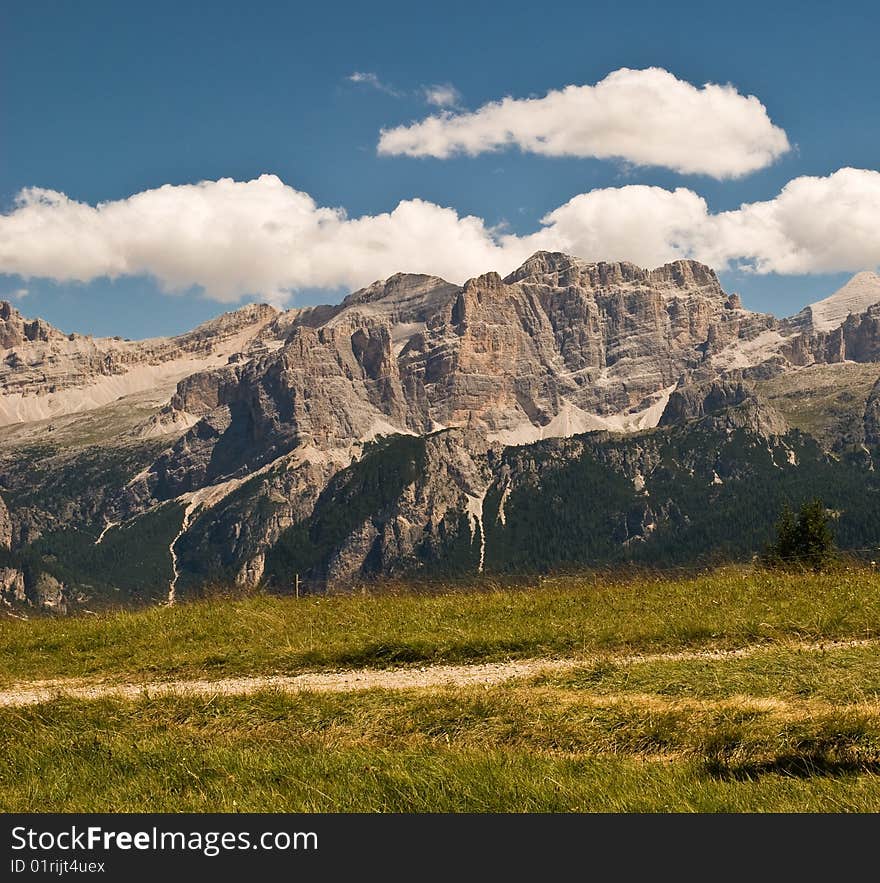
[572, 420]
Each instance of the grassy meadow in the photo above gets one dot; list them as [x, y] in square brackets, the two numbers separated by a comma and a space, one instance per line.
[567, 616]
[791, 724]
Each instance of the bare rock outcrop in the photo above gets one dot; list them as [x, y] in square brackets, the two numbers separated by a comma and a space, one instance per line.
[39, 591]
[45, 373]
[5, 526]
[12, 587]
[692, 402]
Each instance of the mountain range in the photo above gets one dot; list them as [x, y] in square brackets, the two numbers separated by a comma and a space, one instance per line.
[572, 414]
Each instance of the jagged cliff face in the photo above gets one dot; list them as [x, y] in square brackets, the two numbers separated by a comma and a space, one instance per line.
[558, 347]
[255, 447]
[559, 339]
[45, 373]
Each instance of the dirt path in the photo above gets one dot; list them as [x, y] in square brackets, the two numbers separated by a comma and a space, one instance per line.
[487, 673]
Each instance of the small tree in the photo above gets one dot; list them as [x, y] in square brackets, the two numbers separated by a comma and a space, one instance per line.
[806, 541]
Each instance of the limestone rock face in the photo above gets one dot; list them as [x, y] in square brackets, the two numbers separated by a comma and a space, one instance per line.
[50, 593]
[412, 533]
[855, 339]
[41, 592]
[753, 414]
[5, 526]
[558, 347]
[692, 402]
[237, 530]
[12, 588]
[15, 330]
[861, 336]
[861, 292]
[45, 373]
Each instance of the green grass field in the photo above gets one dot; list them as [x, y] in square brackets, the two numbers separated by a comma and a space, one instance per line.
[264, 634]
[791, 724]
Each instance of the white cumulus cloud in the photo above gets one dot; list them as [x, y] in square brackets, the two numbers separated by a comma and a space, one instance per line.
[645, 117]
[645, 225]
[813, 225]
[264, 238]
[442, 95]
[236, 238]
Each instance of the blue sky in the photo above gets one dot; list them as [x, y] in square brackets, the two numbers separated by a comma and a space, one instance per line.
[103, 100]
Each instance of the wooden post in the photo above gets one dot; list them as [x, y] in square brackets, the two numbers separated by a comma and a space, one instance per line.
[297, 585]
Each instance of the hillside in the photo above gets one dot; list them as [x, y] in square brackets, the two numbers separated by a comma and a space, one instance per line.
[421, 429]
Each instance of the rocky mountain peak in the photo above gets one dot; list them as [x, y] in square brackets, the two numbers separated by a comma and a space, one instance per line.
[404, 299]
[486, 282]
[46, 373]
[865, 277]
[15, 329]
[686, 274]
[233, 321]
[560, 270]
[400, 286]
[544, 264]
[859, 293]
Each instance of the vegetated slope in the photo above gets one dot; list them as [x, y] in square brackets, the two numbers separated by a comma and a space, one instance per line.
[826, 401]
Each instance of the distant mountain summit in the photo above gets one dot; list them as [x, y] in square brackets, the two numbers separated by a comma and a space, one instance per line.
[16, 330]
[47, 373]
[853, 298]
[572, 413]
